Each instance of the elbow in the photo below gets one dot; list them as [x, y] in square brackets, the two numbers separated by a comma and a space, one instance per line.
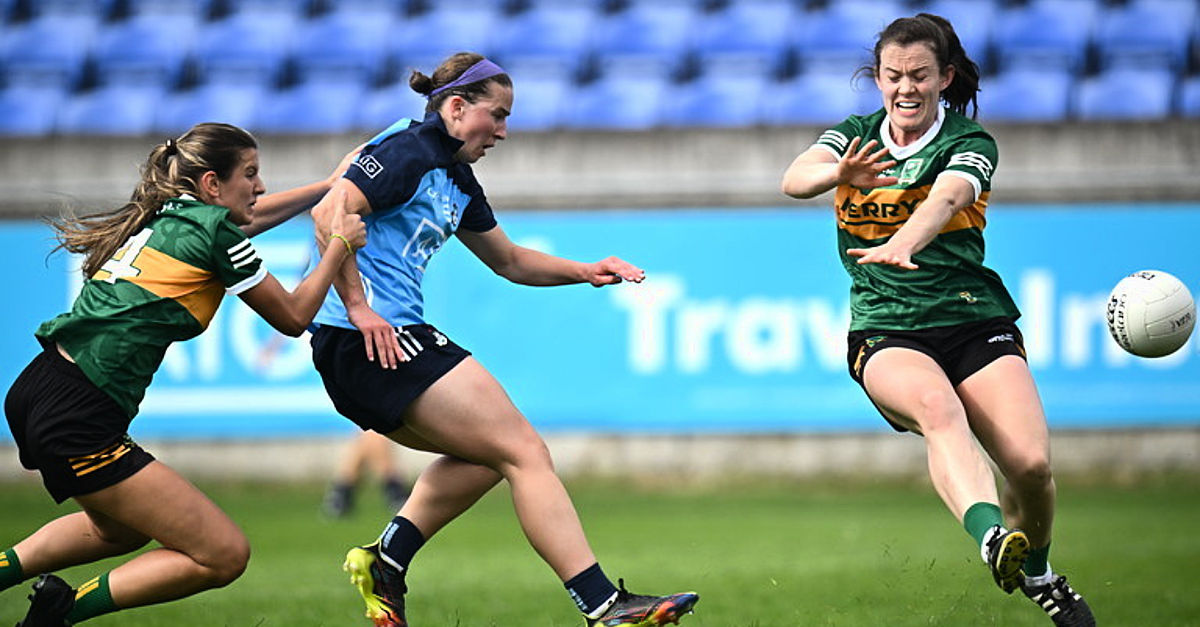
[794, 189]
[291, 328]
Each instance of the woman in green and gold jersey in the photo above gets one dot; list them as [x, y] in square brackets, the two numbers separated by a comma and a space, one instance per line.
[933, 338]
[155, 272]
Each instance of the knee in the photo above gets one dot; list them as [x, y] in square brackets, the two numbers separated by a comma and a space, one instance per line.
[229, 563]
[1030, 472]
[939, 410]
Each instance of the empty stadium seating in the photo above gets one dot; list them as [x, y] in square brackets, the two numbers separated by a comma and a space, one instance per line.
[582, 63]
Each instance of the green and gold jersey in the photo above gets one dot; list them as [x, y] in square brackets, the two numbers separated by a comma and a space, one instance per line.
[162, 286]
[952, 285]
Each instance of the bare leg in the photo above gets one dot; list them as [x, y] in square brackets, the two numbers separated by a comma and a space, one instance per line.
[468, 416]
[924, 401]
[201, 547]
[1006, 414]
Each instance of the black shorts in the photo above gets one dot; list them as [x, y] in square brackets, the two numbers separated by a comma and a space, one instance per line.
[960, 350]
[70, 430]
[374, 397]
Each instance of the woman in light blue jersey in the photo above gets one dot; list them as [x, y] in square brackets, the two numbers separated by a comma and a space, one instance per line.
[388, 370]
[933, 338]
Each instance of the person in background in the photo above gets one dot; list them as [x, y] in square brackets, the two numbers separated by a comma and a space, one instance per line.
[388, 370]
[933, 337]
[367, 450]
[155, 270]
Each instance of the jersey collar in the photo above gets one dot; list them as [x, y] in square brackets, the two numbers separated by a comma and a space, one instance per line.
[904, 152]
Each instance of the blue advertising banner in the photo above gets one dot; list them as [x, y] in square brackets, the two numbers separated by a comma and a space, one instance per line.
[739, 327]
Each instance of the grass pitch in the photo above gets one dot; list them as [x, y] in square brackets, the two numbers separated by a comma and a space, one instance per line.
[760, 554]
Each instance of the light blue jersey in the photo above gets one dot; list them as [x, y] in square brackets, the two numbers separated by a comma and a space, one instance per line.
[419, 196]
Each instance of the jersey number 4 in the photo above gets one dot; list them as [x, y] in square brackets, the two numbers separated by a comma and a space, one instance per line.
[123, 265]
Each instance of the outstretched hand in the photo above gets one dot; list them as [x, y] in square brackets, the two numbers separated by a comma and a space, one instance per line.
[889, 253]
[612, 270]
[861, 168]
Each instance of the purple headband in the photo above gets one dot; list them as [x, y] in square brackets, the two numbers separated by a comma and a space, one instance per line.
[480, 71]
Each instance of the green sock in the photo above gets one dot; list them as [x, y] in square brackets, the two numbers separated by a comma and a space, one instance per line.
[980, 517]
[11, 573]
[1038, 562]
[91, 600]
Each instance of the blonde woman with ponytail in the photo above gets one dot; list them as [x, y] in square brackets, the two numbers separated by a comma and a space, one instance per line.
[155, 272]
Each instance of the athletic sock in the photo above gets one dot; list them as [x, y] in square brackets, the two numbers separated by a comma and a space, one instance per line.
[11, 572]
[980, 518]
[400, 541]
[592, 591]
[1038, 562]
[92, 599]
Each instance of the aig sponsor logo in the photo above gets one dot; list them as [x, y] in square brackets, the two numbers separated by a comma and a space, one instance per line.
[369, 164]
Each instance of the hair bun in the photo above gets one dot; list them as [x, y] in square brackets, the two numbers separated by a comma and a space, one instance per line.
[172, 148]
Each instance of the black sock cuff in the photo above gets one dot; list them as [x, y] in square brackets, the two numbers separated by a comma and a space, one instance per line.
[401, 540]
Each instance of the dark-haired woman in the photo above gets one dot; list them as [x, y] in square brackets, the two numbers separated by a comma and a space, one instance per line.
[933, 338]
[156, 270]
[389, 371]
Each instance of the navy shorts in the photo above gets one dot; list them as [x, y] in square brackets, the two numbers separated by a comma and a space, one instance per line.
[960, 350]
[70, 430]
[374, 397]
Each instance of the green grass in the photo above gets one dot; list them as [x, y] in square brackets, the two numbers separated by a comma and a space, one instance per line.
[760, 554]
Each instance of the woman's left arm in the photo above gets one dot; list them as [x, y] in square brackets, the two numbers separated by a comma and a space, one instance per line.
[531, 267]
[271, 210]
[948, 195]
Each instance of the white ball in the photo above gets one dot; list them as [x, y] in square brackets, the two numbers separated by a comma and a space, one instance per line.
[1151, 313]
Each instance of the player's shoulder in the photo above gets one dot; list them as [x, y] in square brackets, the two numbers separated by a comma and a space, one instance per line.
[958, 126]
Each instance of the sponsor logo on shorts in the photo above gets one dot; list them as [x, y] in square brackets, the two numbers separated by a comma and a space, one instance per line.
[971, 300]
[1003, 337]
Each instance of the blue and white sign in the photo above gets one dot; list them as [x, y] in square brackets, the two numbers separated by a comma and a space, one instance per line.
[739, 327]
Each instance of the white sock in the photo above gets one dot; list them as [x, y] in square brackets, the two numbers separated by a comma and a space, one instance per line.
[987, 537]
[1040, 580]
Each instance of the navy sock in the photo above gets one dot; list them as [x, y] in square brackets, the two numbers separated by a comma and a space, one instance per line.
[590, 589]
[400, 541]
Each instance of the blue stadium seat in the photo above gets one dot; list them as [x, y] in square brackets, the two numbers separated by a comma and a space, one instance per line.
[242, 49]
[718, 102]
[313, 107]
[145, 50]
[381, 107]
[645, 39]
[112, 110]
[465, 29]
[618, 103]
[821, 98]
[346, 45]
[745, 38]
[1043, 34]
[95, 9]
[215, 102]
[1027, 95]
[47, 51]
[545, 40]
[29, 111]
[1145, 34]
[538, 102]
[1126, 94]
[839, 38]
[195, 9]
[973, 21]
[1189, 97]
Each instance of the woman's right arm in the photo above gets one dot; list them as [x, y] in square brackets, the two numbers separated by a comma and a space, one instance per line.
[379, 335]
[817, 170]
[291, 312]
